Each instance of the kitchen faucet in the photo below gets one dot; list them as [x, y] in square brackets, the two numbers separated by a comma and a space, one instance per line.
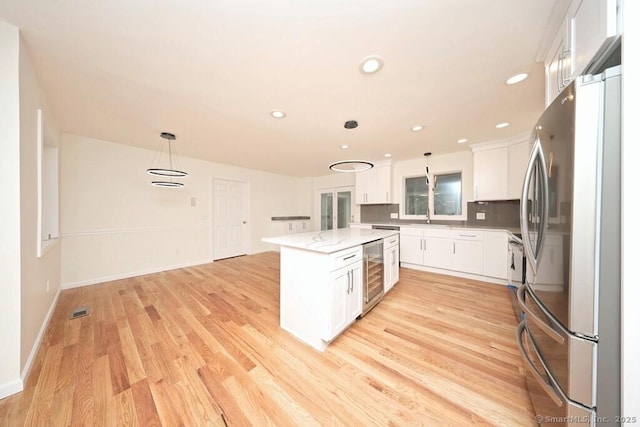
[428, 215]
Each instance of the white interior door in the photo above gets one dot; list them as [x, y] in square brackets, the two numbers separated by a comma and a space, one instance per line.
[336, 208]
[230, 203]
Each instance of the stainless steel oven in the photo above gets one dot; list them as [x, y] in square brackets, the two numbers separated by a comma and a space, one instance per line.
[373, 272]
[516, 273]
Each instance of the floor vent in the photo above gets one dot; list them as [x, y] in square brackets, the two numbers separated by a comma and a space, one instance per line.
[80, 312]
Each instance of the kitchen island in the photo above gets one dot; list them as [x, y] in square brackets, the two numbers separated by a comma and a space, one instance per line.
[321, 281]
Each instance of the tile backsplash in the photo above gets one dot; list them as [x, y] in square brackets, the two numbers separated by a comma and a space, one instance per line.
[497, 213]
[378, 213]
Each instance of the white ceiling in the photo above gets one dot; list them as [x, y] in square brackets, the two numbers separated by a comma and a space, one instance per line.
[212, 71]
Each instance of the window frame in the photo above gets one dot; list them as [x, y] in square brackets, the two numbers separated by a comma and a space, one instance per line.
[432, 175]
[48, 193]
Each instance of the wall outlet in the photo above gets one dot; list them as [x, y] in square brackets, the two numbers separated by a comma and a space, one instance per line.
[193, 201]
[47, 285]
[394, 215]
[480, 215]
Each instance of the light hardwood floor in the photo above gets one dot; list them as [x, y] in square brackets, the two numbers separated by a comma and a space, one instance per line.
[201, 346]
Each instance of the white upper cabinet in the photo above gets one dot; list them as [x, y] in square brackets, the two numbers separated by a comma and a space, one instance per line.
[373, 186]
[587, 27]
[557, 65]
[518, 159]
[498, 169]
[490, 169]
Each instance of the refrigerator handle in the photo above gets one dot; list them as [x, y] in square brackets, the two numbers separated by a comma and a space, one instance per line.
[545, 386]
[530, 315]
[536, 159]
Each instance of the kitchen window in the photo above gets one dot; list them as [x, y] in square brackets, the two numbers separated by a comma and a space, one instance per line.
[416, 196]
[441, 200]
[47, 165]
[447, 194]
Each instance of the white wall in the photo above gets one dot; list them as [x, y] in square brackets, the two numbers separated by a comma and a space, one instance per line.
[115, 224]
[37, 301]
[9, 213]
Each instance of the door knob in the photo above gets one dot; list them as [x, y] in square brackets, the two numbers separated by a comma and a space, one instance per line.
[244, 222]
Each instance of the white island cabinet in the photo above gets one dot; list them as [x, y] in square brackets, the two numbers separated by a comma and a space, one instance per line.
[321, 283]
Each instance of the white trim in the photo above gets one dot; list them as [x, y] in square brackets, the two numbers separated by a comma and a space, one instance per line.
[103, 279]
[10, 388]
[492, 280]
[500, 143]
[38, 341]
[131, 230]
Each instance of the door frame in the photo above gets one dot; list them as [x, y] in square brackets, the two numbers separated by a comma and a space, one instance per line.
[246, 233]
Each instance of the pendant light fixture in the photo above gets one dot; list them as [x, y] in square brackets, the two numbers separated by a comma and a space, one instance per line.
[350, 165]
[171, 171]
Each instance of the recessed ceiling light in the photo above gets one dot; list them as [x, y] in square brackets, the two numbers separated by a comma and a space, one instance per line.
[502, 125]
[278, 114]
[462, 141]
[417, 128]
[371, 64]
[344, 146]
[387, 155]
[517, 78]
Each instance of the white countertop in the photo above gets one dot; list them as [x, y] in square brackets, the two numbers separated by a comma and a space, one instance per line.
[513, 230]
[331, 240]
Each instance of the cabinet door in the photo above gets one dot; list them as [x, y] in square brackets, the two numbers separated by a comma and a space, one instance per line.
[301, 226]
[362, 186]
[518, 159]
[467, 256]
[553, 65]
[354, 296]
[437, 252]
[591, 24]
[411, 249]
[391, 267]
[490, 173]
[339, 293]
[496, 254]
[381, 191]
[288, 227]
[373, 186]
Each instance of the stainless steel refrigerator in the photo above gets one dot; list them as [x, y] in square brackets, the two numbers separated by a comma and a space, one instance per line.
[570, 222]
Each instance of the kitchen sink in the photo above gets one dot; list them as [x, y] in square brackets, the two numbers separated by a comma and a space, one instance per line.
[432, 225]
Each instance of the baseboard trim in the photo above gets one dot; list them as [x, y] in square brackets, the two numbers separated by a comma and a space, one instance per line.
[36, 345]
[10, 388]
[127, 275]
[492, 280]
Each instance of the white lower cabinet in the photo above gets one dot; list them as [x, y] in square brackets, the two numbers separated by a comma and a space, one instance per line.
[320, 294]
[456, 251]
[437, 252]
[468, 251]
[411, 243]
[345, 298]
[496, 254]
[430, 247]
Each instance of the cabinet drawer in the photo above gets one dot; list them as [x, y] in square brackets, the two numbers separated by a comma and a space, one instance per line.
[467, 235]
[391, 241]
[345, 257]
[411, 231]
[442, 233]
